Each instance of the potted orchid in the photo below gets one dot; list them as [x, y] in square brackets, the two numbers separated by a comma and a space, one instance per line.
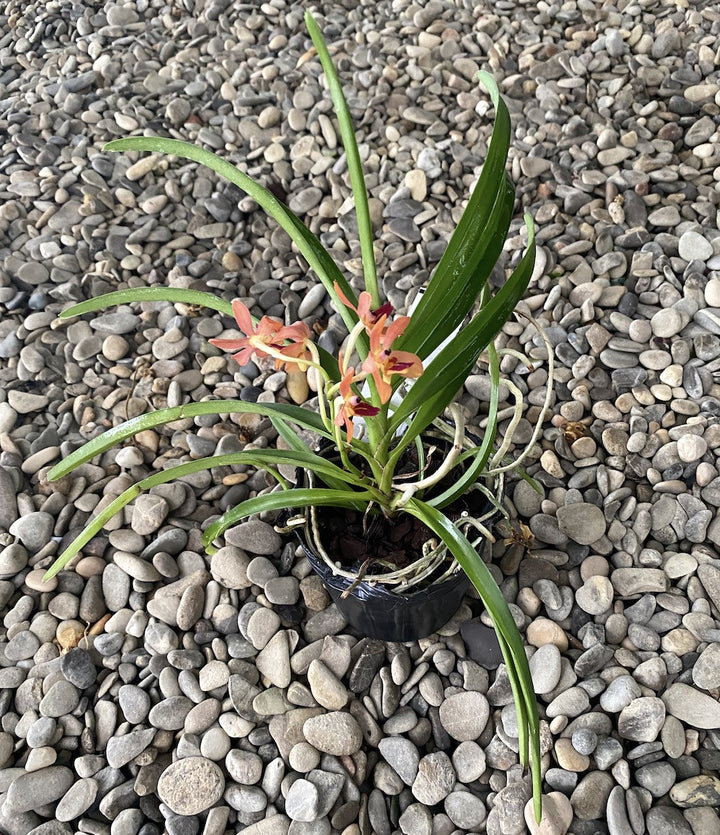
[388, 461]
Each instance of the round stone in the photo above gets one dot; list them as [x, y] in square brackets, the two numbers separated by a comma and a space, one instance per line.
[568, 758]
[465, 810]
[691, 448]
[78, 669]
[691, 706]
[545, 631]
[642, 719]
[619, 694]
[582, 522]
[706, 670]
[557, 815]
[435, 778]
[33, 529]
[468, 760]
[149, 512]
[246, 768]
[700, 791]
[692, 246]
[335, 733]
[326, 687]
[402, 756]
[657, 778]
[666, 323]
[545, 668]
[34, 789]
[595, 596]
[191, 785]
[254, 536]
[589, 800]
[303, 801]
[229, 567]
[712, 292]
[464, 715]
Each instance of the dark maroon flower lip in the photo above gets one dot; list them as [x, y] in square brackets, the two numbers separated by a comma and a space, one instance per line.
[384, 310]
[364, 409]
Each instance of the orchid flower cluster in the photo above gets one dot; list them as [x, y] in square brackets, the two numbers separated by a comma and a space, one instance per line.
[292, 348]
[385, 391]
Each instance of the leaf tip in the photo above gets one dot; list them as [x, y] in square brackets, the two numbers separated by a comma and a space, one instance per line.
[488, 81]
[54, 473]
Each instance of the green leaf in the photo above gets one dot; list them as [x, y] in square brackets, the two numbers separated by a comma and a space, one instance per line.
[308, 244]
[296, 443]
[149, 294]
[295, 414]
[444, 376]
[357, 180]
[301, 497]
[269, 458]
[473, 248]
[510, 640]
[329, 363]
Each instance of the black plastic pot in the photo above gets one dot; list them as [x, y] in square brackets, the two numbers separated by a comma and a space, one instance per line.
[377, 612]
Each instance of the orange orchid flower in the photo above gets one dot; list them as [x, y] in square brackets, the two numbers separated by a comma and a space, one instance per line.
[269, 333]
[352, 405]
[382, 362]
[367, 316]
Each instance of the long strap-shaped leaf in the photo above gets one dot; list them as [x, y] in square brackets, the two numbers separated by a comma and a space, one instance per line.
[357, 179]
[177, 294]
[284, 499]
[149, 294]
[295, 414]
[258, 458]
[455, 277]
[479, 265]
[510, 643]
[439, 383]
[308, 244]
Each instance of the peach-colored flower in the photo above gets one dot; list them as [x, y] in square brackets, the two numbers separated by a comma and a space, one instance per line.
[367, 316]
[269, 333]
[352, 405]
[382, 362]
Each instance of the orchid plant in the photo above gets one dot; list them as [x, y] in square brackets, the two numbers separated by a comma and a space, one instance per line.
[393, 379]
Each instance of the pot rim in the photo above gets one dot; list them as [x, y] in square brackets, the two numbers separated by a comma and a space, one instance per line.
[396, 581]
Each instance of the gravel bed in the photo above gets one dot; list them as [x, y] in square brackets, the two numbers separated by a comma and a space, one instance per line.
[152, 689]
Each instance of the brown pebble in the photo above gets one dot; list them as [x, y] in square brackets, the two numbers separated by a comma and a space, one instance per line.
[297, 386]
[568, 758]
[34, 581]
[90, 566]
[69, 633]
[545, 631]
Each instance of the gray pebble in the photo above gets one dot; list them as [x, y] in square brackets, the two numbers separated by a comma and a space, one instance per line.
[642, 719]
[402, 755]
[435, 778]
[33, 529]
[191, 785]
[37, 788]
[121, 750]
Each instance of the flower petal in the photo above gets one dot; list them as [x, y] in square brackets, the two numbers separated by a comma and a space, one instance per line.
[395, 329]
[243, 317]
[229, 344]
